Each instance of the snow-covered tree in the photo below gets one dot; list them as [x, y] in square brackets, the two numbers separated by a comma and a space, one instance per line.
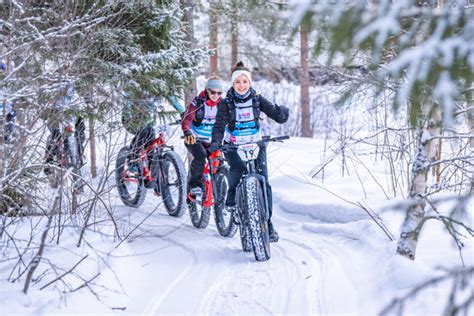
[100, 48]
[424, 51]
[135, 45]
[422, 54]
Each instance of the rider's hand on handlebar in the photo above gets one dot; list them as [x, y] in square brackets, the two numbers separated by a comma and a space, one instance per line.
[189, 138]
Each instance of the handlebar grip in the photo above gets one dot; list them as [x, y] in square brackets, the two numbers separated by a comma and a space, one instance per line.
[280, 138]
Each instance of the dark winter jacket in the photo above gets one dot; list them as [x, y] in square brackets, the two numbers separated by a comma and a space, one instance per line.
[278, 113]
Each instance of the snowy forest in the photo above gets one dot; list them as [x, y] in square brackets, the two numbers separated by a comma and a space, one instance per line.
[372, 192]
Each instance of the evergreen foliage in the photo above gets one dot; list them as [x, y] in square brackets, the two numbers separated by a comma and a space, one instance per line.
[110, 45]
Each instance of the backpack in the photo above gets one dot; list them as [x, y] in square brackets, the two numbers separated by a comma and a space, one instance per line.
[232, 114]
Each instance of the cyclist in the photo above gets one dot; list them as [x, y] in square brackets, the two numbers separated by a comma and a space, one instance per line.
[138, 117]
[198, 121]
[53, 117]
[5, 106]
[239, 113]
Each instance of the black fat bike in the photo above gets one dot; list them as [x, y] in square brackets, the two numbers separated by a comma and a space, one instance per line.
[252, 210]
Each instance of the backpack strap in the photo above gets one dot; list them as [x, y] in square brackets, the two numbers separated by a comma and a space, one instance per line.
[232, 114]
[256, 108]
[200, 111]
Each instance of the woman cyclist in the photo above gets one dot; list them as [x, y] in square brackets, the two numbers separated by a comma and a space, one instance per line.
[198, 121]
[239, 112]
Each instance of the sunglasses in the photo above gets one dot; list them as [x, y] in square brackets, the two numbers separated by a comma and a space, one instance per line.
[214, 92]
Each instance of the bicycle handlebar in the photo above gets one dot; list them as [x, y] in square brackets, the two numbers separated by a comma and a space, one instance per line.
[265, 139]
[260, 142]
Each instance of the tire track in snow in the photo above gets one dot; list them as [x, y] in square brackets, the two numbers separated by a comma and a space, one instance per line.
[262, 287]
[315, 272]
[337, 284]
[199, 273]
[155, 303]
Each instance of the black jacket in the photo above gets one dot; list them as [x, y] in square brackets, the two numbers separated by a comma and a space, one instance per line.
[278, 113]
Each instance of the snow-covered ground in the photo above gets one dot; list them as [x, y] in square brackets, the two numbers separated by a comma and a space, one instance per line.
[332, 258]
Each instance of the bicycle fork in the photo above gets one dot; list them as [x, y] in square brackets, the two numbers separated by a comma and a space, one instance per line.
[210, 183]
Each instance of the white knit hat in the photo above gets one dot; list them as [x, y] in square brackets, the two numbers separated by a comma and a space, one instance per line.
[239, 72]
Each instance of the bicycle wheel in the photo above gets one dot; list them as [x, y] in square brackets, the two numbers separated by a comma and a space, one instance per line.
[199, 213]
[255, 206]
[244, 227]
[173, 183]
[130, 186]
[225, 222]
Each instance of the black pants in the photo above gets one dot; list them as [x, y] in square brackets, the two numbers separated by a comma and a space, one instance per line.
[142, 138]
[237, 168]
[198, 151]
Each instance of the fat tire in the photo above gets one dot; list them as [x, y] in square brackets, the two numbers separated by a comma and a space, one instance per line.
[244, 230]
[137, 199]
[255, 207]
[199, 219]
[229, 228]
[174, 208]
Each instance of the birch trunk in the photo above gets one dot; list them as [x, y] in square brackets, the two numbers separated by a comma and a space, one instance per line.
[304, 81]
[427, 149]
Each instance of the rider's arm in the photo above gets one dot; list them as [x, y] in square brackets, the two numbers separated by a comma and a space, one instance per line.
[188, 116]
[222, 119]
[278, 113]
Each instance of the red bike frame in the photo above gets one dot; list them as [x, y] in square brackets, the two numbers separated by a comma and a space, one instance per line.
[211, 164]
[159, 141]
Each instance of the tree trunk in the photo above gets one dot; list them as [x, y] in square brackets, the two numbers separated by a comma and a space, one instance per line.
[213, 38]
[93, 153]
[304, 82]
[427, 148]
[234, 44]
[188, 19]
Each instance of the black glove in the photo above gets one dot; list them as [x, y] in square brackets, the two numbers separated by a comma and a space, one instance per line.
[189, 138]
[283, 115]
[214, 147]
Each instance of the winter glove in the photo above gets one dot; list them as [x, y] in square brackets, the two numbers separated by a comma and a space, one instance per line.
[283, 115]
[189, 138]
[214, 147]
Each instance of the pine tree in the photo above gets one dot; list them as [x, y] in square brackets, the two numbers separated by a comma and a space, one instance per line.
[99, 47]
